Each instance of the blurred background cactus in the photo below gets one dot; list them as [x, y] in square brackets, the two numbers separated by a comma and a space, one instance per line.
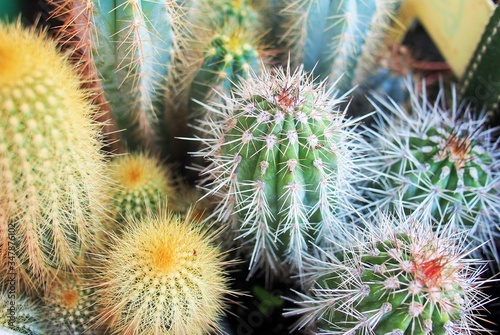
[263, 98]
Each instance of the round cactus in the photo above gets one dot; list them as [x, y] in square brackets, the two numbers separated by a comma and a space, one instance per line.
[142, 185]
[51, 168]
[438, 157]
[70, 308]
[20, 314]
[229, 56]
[282, 162]
[162, 276]
[397, 277]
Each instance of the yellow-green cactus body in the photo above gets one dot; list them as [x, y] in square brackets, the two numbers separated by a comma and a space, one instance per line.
[50, 165]
[142, 185]
[162, 276]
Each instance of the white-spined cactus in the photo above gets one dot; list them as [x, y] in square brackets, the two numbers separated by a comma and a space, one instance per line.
[282, 160]
[438, 156]
[398, 276]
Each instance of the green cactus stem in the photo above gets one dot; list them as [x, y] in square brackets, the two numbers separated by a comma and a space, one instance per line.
[398, 276]
[481, 81]
[20, 314]
[333, 38]
[281, 161]
[126, 45]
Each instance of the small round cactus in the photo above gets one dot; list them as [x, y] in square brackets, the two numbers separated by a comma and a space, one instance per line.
[142, 185]
[440, 157]
[20, 314]
[398, 276]
[282, 161]
[162, 276]
[70, 308]
[51, 168]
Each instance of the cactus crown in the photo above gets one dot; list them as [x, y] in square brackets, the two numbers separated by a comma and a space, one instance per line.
[281, 160]
[397, 277]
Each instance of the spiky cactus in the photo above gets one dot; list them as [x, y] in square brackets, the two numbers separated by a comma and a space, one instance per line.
[335, 38]
[438, 156]
[70, 307]
[126, 47]
[281, 160]
[141, 185]
[162, 276]
[398, 276]
[51, 169]
[20, 314]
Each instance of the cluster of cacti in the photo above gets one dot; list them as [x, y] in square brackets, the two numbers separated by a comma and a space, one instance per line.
[396, 277]
[279, 177]
[51, 170]
[439, 157]
[282, 163]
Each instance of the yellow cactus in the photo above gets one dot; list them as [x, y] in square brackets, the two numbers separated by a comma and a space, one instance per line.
[162, 276]
[51, 168]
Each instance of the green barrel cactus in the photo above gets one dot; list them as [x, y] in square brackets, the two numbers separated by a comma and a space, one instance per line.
[126, 47]
[52, 173]
[70, 307]
[438, 156]
[229, 56]
[20, 314]
[141, 186]
[398, 276]
[283, 163]
[336, 38]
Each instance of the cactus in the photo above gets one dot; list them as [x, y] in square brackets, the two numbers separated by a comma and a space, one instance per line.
[398, 276]
[127, 46]
[335, 39]
[142, 185]
[481, 81]
[51, 169]
[437, 156]
[281, 161]
[70, 308]
[20, 314]
[229, 56]
[162, 276]
[219, 13]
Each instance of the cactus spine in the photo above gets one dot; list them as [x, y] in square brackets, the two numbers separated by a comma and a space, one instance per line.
[439, 157]
[51, 170]
[396, 277]
[281, 162]
[127, 46]
[162, 276]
